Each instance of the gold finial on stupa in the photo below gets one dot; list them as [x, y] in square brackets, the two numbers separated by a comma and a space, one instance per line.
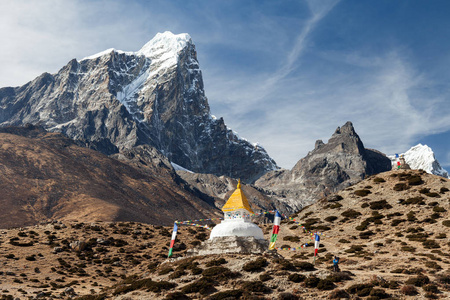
[237, 201]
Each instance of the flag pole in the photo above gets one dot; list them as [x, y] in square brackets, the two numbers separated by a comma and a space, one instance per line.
[174, 236]
[276, 229]
[316, 246]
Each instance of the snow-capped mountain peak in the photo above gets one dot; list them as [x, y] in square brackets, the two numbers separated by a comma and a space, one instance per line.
[422, 157]
[166, 42]
[163, 49]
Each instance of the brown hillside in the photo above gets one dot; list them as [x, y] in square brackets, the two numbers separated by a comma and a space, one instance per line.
[397, 248]
[45, 176]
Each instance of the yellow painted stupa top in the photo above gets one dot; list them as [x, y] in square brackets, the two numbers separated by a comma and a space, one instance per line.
[237, 201]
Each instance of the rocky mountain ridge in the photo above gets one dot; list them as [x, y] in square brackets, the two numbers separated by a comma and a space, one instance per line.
[115, 100]
[330, 167]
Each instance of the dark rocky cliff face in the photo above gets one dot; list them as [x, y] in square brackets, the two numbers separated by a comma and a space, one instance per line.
[330, 167]
[117, 100]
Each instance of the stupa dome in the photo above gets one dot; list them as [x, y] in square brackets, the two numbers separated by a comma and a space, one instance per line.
[237, 221]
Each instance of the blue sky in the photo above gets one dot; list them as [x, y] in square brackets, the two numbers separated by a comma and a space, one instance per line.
[281, 73]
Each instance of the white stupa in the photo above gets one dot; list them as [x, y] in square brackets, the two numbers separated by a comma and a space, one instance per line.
[237, 221]
[236, 233]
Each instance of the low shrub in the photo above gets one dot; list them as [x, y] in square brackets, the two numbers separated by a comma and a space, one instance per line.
[443, 190]
[176, 296]
[366, 234]
[256, 265]
[432, 288]
[338, 294]
[284, 264]
[216, 262]
[339, 276]
[379, 294]
[203, 286]
[439, 209]
[443, 278]
[304, 266]
[320, 228]
[409, 290]
[408, 248]
[344, 241]
[417, 237]
[177, 274]
[401, 187]
[265, 277]
[287, 296]
[411, 216]
[362, 193]
[382, 204]
[311, 281]
[355, 249]
[430, 295]
[415, 200]
[255, 287]
[350, 213]
[415, 180]
[441, 235]
[325, 284]
[360, 289]
[330, 218]
[433, 195]
[154, 286]
[219, 273]
[446, 223]
[378, 180]
[335, 205]
[295, 277]
[165, 271]
[395, 222]
[430, 244]
[420, 280]
[433, 265]
[334, 198]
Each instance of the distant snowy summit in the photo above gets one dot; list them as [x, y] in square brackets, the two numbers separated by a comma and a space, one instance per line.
[422, 157]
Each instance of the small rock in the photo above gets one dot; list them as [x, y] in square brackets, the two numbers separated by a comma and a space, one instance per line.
[334, 198]
[77, 246]
[102, 241]
[57, 249]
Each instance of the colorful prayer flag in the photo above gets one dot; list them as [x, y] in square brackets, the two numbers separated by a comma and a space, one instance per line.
[316, 244]
[276, 229]
[174, 236]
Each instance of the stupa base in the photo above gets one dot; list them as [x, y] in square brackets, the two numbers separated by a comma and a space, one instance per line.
[230, 244]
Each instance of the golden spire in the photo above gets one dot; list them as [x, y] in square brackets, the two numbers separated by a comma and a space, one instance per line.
[237, 201]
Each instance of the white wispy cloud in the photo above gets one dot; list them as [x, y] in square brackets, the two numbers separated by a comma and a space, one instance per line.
[283, 94]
